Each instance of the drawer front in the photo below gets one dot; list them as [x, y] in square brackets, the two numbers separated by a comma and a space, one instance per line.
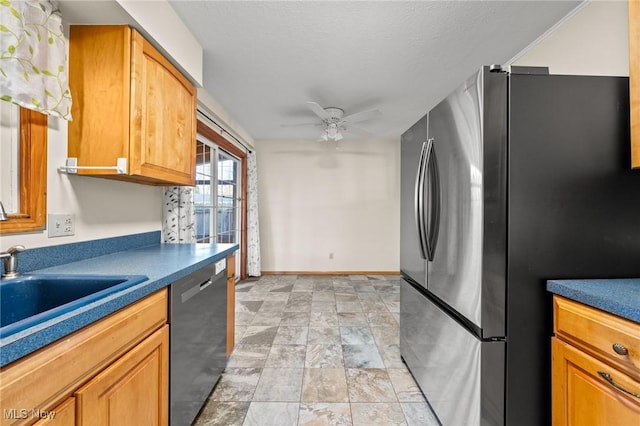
[607, 337]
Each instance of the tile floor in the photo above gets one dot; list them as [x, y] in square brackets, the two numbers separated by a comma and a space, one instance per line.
[317, 350]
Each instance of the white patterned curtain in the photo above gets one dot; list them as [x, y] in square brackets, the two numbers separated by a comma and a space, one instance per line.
[33, 57]
[178, 214]
[253, 228]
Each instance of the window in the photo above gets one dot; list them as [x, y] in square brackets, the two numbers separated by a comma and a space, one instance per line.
[227, 197]
[221, 187]
[217, 197]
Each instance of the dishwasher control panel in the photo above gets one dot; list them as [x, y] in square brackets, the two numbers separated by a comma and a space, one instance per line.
[220, 266]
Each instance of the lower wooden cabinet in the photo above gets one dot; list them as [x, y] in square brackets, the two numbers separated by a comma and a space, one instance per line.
[112, 372]
[582, 396]
[132, 391]
[595, 375]
[63, 415]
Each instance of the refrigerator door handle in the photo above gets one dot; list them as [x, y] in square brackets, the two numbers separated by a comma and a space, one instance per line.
[419, 201]
[434, 204]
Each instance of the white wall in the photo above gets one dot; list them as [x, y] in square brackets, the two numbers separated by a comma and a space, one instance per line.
[102, 208]
[593, 41]
[315, 200]
[105, 208]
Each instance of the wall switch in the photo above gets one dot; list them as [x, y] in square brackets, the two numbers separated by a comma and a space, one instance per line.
[61, 225]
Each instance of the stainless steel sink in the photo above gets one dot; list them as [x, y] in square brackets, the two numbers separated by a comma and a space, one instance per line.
[32, 299]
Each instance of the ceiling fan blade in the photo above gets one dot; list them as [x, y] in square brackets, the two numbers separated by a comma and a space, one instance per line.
[318, 110]
[362, 116]
[358, 131]
[302, 125]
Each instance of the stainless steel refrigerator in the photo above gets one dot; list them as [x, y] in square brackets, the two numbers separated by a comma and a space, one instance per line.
[515, 178]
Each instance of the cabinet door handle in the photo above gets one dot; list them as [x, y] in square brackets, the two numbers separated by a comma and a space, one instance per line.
[620, 349]
[609, 379]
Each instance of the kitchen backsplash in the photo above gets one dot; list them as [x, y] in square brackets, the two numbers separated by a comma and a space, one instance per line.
[45, 257]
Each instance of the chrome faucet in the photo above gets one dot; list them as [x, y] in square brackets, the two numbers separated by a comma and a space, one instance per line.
[10, 259]
[3, 214]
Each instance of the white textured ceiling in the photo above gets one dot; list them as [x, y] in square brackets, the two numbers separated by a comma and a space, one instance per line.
[264, 59]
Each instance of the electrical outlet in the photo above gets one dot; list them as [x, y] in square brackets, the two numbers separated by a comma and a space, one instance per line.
[61, 225]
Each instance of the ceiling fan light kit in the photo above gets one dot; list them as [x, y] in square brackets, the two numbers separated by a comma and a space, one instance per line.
[332, 132]
[335, 122]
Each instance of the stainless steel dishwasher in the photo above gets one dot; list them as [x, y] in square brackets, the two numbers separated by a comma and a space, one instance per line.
[198, 339]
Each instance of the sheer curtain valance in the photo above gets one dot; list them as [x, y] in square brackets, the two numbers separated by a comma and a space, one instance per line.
[33, 57]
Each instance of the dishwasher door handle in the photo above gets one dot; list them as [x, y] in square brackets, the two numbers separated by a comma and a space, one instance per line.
[195, 290]
[205, 285]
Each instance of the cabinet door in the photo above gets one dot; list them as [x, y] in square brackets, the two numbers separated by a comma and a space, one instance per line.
[133, 390]
[582, 397]
[63, 415]
[163, 118]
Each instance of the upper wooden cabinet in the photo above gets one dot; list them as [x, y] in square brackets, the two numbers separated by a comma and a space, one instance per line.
[129, 102]
[634, 79]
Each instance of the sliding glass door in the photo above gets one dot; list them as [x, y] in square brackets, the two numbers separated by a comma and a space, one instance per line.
[217, 195]
[228, 199]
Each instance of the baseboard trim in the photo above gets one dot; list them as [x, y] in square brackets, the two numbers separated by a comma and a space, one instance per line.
[330, 272]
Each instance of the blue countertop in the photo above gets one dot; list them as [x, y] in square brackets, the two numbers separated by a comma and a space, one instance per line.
[617, 296]
[162, 263]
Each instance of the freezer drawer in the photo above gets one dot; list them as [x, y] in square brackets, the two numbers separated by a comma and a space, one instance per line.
[461, 376]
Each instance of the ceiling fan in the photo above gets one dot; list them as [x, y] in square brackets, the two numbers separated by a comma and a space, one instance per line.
[335, 122]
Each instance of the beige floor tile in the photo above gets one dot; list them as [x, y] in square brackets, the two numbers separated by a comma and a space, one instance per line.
[386, 335]
[377, 414]
[279, 384]
[223, 413]
[286, 356]
[418, 414]
[248, 356]
[352, 319]
[362, 356]
[323, 319]
[259, 335]
[370, 385]
[295, 318]
[381, 319]
[324, 356]
[317, 350]
[391, 356]
[324, 385]
[291, 335]
[356, 335]
[324, 336]
[406, 388]
[272, 414]
[324, 414]
[237, 384]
